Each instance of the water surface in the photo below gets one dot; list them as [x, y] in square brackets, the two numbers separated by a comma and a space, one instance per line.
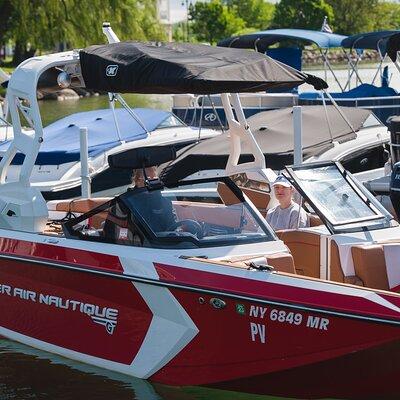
[27, 373]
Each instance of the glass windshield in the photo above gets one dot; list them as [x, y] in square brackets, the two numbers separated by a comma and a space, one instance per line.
[170, 122]
[333, 195]
[174, 218]
[372, 121]
[223, 219]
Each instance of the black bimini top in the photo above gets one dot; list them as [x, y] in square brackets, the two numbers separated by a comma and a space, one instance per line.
[273, 131]
[167, 68]
[393, 46]
[369, 40]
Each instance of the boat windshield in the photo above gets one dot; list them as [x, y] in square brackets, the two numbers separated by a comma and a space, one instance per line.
[175, 218]
[171, 121]
[334, 195]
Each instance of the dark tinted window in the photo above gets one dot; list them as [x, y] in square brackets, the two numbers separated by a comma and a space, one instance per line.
[365, 159]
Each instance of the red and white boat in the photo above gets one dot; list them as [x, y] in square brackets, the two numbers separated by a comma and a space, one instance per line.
[215, 298]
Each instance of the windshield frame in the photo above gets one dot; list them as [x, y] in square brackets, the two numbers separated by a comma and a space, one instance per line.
[152, 240]
[335, 226]
[169, 242]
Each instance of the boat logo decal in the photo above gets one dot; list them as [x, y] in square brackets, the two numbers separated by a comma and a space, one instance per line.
[110, 324]
[111, 70]
[211, 117]
[106, 316]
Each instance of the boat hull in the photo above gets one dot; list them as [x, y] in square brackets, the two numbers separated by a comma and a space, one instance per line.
[177, 333]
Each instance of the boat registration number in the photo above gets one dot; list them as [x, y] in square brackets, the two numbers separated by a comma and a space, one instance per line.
[258, 330]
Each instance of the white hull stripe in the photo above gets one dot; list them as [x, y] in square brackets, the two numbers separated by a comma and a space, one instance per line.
[74, 355]
[170, 331]
[297, 306]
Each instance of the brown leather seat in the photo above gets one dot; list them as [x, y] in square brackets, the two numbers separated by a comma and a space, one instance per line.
[282, 262]
[305, 249]
[259, 198]
[314, 220]
[370, 266]
[336, 272]
[77, 205]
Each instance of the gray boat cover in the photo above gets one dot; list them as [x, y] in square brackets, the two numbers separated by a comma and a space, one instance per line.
[166, 68]
[273, 131]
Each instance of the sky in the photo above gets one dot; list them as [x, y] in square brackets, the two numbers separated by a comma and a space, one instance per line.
[177, 10]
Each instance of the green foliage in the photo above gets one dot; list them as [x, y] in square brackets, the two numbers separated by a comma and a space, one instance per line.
[257, 14]
[354, 16]
[386, 16]
[41, 25]
[179, 32]
[302, 14]
[218, 19]
[213, 21]
[347, 17]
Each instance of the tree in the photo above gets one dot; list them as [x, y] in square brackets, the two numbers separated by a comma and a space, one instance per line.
[213, 21]
[6, 19]
[354, 16]
[387, 16]
[257, 14]
[305, 14]
[43, 24]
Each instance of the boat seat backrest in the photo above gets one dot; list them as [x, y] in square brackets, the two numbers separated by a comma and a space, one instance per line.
[370, 266]
[80, 206]
[336, 271]
[314, 220]
[305, 249]
[282, 262]
[259, 198]
[211, 213]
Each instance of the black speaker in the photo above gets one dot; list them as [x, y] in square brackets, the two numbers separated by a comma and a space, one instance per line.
[394, 128]
[395, 188]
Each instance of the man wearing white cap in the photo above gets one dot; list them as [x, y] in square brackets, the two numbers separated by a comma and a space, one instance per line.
[288, 214]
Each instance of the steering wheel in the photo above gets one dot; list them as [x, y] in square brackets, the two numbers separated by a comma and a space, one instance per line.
[190, 225]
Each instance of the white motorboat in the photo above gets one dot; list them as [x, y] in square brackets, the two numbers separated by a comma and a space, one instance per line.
[57, 170]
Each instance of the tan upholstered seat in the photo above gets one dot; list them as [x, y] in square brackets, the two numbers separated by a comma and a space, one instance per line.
[259, 198]
[77, 205]
[282, 262]
[216, 214]
[305, 249]
[369, 265]
[336, 271]
[314, 220]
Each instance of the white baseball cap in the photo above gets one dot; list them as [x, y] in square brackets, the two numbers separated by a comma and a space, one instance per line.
[282, 180]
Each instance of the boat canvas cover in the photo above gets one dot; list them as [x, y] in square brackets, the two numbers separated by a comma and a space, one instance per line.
[273, 131]
[167, 68]
[260, 41]
[393, 46]
[369, 40]
[61, 139]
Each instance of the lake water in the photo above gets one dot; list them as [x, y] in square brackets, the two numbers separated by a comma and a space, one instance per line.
[26, 373]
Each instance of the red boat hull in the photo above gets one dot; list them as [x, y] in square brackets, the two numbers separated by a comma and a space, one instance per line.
[277, 342]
